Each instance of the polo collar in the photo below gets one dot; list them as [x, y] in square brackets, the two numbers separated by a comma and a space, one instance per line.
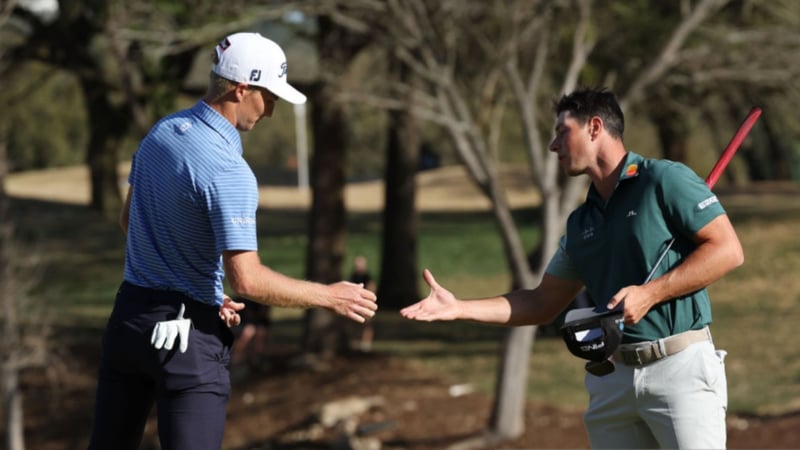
[219, 124]
[631, 168]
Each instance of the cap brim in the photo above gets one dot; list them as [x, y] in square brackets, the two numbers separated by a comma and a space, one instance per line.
[289, 93]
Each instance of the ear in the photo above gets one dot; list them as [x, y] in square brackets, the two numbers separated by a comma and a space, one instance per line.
[595, 126]
[239, 91]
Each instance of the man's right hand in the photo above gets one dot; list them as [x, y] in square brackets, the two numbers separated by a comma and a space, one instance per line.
[353, 301]
[440, 304]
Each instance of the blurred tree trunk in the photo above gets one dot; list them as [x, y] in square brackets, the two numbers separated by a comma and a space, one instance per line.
[327, 221]
[107, 128]
[66, 43]
[673, 131]
[779, 157]
[12, 392]
[399, 275]
[324, 332]
[77, 26]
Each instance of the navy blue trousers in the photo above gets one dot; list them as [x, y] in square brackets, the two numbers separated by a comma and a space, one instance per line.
[190, 390]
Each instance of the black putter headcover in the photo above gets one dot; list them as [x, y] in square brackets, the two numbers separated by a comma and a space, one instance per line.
[593, 333]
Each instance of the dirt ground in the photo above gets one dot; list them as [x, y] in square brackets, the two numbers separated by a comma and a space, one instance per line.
[280, 407]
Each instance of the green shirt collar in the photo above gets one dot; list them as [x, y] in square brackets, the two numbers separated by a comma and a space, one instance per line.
[633, 163]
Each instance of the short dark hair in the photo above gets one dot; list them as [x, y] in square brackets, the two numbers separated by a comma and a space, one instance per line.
[585, 103]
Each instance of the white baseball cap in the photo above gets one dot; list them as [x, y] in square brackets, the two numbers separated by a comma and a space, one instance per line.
[253, 59]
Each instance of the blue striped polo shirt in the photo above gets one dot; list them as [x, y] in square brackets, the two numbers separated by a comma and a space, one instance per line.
[194, 196]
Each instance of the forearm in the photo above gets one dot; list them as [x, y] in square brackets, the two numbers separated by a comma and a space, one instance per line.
[718, 252]
[250, 279]
[522, 307]
[517, 308]
[266, 286]
[702, 268]
[495, 310]
[255, 281]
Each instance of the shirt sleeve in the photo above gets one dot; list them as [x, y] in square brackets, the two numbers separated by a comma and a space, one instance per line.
[688, 201]
[233, 201]
[560, 265]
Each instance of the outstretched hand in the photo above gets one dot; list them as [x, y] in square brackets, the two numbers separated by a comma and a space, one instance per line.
[353, 301]
[440, 304]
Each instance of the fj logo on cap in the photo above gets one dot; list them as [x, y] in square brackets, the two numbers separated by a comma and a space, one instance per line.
[255, 75]
[284, 69]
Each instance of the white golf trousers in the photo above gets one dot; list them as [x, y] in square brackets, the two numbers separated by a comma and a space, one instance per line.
[677, 402]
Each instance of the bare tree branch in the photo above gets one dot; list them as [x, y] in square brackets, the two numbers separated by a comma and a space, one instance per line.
[668, 56]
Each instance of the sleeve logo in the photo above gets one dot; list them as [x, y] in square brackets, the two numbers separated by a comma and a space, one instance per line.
[707, 202]
[243, 220]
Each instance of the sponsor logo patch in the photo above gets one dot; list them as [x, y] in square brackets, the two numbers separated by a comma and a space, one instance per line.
[631, 170]
[243, 220]
[224, 44]
[184, 127]
[709, 201]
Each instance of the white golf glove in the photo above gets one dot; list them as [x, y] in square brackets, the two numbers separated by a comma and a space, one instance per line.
[165, 332]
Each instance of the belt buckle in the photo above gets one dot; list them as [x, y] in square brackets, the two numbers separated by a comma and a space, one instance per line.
[631, 357]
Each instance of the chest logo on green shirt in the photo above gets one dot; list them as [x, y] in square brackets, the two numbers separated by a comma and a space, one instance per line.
[588, 233]
[631, 170]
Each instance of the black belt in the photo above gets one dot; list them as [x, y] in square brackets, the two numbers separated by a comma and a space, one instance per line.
[135, 299]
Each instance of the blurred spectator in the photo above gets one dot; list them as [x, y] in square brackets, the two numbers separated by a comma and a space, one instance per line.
[361, 275]
[428, 158]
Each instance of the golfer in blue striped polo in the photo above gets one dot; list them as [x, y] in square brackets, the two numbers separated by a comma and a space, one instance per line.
[190, 219]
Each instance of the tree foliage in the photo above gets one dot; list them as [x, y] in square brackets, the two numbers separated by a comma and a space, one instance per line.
[40, 132]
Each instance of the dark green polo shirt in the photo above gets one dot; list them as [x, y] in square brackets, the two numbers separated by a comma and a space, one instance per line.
[613, 244]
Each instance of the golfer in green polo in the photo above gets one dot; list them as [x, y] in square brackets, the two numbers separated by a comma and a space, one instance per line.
[668, 387]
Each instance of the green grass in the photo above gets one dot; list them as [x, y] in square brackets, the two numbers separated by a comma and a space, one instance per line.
[79, 262]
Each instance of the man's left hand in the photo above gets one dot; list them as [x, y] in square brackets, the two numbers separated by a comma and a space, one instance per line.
[637, 302]
[229, 311]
